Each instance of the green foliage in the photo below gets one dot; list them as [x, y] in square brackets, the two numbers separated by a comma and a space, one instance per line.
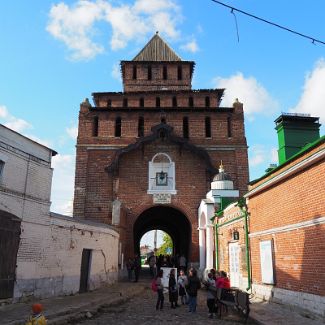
[166, 246]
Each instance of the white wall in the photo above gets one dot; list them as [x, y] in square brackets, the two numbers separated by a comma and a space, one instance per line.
[49, 257]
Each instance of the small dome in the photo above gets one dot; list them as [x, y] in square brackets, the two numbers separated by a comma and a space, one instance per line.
[222, 177]
[222, 181]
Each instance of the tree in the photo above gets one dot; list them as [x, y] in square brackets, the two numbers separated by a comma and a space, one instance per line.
[166, 247]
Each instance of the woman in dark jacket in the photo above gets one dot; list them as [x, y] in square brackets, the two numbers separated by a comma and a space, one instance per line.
[192, 287]
[172, 289]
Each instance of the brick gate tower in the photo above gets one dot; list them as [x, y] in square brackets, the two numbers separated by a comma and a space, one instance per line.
[146, 156]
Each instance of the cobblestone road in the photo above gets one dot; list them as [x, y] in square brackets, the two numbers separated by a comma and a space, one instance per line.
[141, 310]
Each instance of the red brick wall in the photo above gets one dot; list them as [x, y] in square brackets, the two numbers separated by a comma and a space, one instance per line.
[299, 254]
[95, 189]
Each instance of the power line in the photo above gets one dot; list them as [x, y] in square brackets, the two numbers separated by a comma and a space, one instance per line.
[313, 39]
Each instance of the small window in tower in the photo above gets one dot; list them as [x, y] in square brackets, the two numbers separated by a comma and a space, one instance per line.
[190, 102]
[95, 126]
[165, 72]
[149, 72]
[157, 101]
[229, 127]
[141, 127]
[141, 102]
[163, 120]
[207, 127]
[185, 127]
[134, 72]
[109, 103]
[2, 166]
[125, 102]
[118, 127]
[174, 101]
[207, 101]
[179, 72]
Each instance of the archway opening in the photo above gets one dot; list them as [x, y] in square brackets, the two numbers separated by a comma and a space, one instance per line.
[155, 242]
[169, 220]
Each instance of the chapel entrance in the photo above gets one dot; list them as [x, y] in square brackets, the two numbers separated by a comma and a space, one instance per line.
[168, 219]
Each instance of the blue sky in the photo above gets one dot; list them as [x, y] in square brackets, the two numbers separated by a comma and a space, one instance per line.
[56, 53]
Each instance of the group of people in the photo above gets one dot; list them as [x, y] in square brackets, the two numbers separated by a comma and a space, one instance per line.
[186, 288]
[133, 266]
[157, 262]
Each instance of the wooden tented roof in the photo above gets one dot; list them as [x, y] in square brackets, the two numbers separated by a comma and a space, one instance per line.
[157, 50]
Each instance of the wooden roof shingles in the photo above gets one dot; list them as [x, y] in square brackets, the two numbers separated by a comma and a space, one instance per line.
[157, 50]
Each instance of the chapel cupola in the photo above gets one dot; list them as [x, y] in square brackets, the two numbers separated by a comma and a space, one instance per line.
[222, 181]
[156, 68]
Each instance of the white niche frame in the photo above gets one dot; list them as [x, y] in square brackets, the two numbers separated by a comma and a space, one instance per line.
[158, 167]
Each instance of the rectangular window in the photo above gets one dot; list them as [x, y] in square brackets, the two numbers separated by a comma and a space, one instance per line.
[207, 101]
[207, 127]
[157, 101]
[141, 127]
[95, 126]
[134, 72]
[229, 127]
[118, 127]
[190, 102]
[125, 102]
[185, 127]
[179, 72]
[2, 166]
[165, 72]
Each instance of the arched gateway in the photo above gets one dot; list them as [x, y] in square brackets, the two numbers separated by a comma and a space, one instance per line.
[170, 220]
[146, 156]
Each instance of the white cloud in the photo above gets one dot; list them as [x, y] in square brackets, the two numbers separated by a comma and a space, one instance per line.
[190, 46]
[261, 154]
[75, 25]
[72, 132]
[116, 72]
[63, 183]
[249, 91]
[313, 96]
[12, 122]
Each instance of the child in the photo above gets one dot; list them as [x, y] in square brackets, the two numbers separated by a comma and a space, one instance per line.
[211, 283]
[182, 282]
[37, 318]
[160, 291]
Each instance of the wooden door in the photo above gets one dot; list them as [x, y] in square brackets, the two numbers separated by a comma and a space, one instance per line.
[85, 270]
[234, 264]
[9, 244]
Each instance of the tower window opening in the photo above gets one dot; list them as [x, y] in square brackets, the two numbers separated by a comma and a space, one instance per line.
[118, 126]
[190, 102]
[165, 72]
[149, 72]
[141, 102]
[163, 120]
[185, 127]
[95, 126]
[125, 102]
[141, 127]
[229, 127]
[207, 101]
[109, 103]
[174, 101]
[134, 72]
[207, 127]
[157, 101]
[179, 72]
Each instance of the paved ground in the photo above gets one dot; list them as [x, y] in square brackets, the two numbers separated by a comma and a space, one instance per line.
[141, 310]
[134, 303]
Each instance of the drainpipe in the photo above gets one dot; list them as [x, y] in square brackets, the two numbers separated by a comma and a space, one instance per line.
[249, 280]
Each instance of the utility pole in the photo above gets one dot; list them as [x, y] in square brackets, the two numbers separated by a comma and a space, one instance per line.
[155, 240]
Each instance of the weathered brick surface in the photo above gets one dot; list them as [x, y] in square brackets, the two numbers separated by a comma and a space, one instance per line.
[95, 189]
